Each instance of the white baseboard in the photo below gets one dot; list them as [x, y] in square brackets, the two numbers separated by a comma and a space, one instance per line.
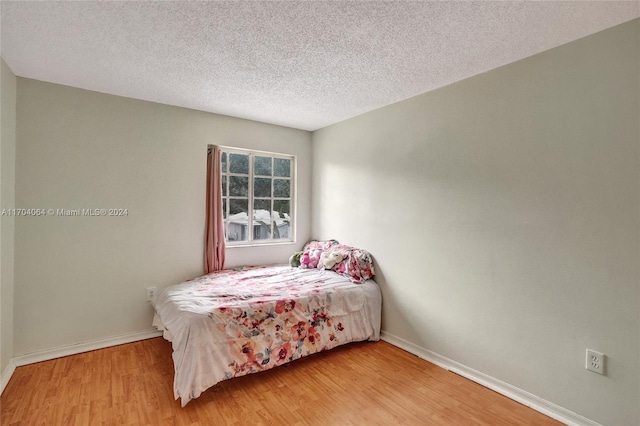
[78, 348]
[6, 374]
[523, 397]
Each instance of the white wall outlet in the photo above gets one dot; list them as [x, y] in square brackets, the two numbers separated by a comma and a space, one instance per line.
[151, 293]
[595, 361]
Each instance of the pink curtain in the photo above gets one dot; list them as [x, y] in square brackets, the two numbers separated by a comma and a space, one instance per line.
[214, 246]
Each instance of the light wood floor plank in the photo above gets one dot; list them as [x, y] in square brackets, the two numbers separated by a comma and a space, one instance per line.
[358, 384]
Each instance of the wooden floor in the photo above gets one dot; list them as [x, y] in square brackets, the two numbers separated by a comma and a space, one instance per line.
[358, 384]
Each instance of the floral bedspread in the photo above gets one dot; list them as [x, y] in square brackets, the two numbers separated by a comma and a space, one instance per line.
[235, 322]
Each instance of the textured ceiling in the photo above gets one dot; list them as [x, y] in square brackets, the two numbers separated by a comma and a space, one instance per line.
[299, 64]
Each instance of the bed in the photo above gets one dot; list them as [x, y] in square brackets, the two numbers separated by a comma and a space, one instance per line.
[236, 322]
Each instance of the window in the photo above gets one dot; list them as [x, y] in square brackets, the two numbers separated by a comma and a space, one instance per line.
[261, 183]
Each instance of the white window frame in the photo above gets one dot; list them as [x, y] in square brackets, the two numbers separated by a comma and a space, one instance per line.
[292, 196]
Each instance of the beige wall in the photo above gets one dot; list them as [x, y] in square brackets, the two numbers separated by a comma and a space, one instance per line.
[503, 214]
[84, 278]
[7, 197]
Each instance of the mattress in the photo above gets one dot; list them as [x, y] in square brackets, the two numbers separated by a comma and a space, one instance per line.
[236, 322]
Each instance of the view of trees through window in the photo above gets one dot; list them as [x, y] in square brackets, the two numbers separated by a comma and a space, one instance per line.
[260, 183]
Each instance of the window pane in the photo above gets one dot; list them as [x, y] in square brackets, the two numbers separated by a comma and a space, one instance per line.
[261, 187]
[282, 230]
[262, 166]
[282, 207]
[236, 231]
[224, 162]
[262, 205]
[262, 225]
[238, 186]
[262, 219]
[239, 209]
[224, 186]
[281, 188]
[282, 167]
[224, 208]
[238, 219]
[282, 219]
[239, 163]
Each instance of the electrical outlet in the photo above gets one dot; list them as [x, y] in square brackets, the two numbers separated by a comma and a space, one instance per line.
[595, 361]
[151, 293]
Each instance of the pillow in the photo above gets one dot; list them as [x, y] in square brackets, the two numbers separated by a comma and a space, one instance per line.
[322, 245]
[312, 251]
[310, 258]
[356, 264]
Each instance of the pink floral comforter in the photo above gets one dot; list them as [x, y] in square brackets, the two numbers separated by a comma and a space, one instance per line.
[235, 322]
